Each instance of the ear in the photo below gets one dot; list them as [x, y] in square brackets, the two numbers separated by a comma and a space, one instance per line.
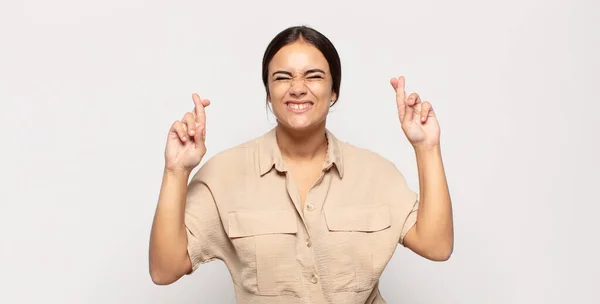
[333, 97]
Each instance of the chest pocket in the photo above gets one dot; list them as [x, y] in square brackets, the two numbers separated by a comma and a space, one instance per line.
[358, 236]
[265, 243]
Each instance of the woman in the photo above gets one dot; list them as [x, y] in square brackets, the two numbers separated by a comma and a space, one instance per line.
[297, 215]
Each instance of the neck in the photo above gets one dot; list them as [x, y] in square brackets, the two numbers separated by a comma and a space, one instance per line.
[302, 145]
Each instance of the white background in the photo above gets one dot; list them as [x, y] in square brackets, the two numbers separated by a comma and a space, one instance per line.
[88, 91]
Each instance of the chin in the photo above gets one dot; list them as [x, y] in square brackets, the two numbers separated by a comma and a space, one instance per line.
[300, 126]
[296, 124]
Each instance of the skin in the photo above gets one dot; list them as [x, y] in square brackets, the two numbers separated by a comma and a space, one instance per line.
[432, 236]
[168, 256]
[299, 71]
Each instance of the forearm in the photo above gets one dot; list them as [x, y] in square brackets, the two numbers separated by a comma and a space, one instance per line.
[168, 239]
[434, 220]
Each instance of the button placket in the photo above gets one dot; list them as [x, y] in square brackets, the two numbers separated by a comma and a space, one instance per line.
[314, 279]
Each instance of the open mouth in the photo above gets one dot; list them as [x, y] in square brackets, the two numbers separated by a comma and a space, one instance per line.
[298, 106]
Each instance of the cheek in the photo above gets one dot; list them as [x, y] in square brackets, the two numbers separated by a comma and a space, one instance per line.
[277, 92]
[321, 90]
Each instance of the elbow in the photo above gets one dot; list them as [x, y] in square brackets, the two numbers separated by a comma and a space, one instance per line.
[441, 256]
[158, 278]
[168, 271]
[432, 248]
[441, 253]
[161, 276]
[437, 251]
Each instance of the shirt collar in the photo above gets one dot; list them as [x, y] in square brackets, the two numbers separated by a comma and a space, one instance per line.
[270, 155]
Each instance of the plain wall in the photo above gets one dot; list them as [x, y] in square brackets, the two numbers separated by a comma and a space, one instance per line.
[88, 91]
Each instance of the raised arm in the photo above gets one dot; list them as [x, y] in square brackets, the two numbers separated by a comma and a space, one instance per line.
[168, 254]
[433, 234]
[169, 259]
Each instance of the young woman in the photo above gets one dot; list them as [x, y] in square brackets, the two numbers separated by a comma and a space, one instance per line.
[297, 215]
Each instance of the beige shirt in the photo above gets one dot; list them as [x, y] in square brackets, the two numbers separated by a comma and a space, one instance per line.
[242, 208]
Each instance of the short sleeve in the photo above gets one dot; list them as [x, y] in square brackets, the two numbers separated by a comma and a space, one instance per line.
[206, 237]
[411, 219]
[405, 200]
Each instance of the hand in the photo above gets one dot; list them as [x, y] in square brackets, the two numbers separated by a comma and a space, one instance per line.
[186, 139]
[417, 118]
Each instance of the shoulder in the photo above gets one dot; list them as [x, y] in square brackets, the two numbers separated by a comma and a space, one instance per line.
[230, 163]
[364, 165]
[361, 157]
[375, 172]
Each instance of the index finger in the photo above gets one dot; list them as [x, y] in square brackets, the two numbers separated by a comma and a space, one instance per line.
[199, 109]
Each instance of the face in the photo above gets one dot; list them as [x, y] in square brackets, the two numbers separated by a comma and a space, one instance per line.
[300, 86]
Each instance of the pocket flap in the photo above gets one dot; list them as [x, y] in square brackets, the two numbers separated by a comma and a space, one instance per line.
[244, 223]
[358, 218]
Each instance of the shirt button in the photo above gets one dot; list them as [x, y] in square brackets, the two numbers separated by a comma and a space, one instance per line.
[314, 279]
[310, 207]
[308, 243]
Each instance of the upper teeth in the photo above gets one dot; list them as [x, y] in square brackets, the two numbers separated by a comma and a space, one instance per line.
[298, 106]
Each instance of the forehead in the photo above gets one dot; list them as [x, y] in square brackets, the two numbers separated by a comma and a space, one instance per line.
[298, 57]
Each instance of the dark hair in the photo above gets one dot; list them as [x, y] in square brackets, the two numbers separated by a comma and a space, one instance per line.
[313, 37]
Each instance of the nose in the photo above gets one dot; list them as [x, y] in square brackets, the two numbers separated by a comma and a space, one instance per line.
[297, 87]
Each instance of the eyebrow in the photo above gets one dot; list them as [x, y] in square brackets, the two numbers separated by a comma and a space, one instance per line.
[307, 72]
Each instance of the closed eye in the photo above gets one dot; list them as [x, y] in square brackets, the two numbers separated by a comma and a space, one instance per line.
[318, 76]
